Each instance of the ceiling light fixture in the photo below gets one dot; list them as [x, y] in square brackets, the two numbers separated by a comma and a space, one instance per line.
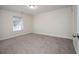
[32, 6]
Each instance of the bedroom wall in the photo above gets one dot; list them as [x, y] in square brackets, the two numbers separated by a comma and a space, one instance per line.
[7, 30]
[57, 23]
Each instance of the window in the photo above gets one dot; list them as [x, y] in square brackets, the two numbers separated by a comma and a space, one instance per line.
[17, 23]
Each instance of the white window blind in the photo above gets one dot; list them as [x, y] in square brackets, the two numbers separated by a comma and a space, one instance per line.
[17, 23]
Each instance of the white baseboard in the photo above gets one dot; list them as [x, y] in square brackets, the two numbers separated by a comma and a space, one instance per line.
[5, 38]
[56, 35]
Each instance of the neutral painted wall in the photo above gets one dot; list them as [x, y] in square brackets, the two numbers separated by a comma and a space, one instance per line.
[7, 24]
[57, 23]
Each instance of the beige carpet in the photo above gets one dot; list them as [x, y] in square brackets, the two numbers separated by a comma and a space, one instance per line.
[36, 44]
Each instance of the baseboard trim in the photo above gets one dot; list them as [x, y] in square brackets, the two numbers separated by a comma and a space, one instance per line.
[12, 36]
[35, 33]
[55, 36]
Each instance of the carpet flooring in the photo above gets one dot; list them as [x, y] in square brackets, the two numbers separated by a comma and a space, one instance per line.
[36, 44]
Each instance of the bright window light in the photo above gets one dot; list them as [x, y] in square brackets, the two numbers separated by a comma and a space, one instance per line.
[17, 23]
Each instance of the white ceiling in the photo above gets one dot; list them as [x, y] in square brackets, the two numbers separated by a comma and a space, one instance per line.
[25, 9]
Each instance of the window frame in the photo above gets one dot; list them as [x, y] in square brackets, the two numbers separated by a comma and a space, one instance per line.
[20, 19]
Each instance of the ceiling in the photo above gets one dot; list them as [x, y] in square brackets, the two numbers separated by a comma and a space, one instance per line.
[25, 9]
